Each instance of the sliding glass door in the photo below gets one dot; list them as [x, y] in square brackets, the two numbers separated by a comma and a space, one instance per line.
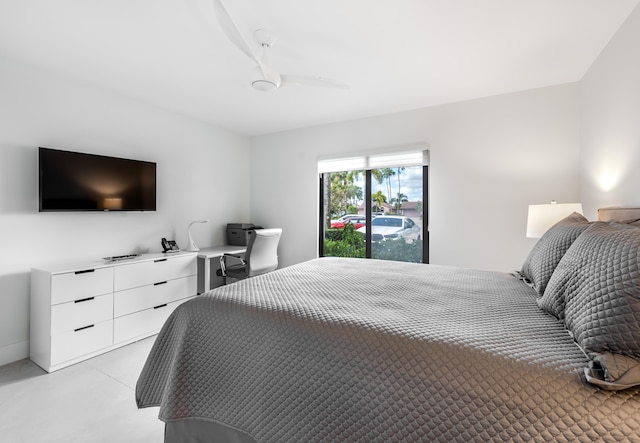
[397, 214]
[375, 213]
[343, 214]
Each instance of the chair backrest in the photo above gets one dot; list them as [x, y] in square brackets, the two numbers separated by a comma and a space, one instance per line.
[262, 251]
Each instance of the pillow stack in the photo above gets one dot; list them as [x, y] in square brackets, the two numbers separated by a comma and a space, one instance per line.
[595, 290]
[546, 254]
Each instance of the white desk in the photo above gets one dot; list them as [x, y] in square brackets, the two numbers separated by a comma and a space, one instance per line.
[215, 252]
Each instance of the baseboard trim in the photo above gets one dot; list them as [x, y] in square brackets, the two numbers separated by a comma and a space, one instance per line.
[14, 352]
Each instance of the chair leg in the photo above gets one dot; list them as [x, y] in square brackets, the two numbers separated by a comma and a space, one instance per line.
[223, 269]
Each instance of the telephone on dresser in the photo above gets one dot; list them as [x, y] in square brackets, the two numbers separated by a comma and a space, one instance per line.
[169, 245]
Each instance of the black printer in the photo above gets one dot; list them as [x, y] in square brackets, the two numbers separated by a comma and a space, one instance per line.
[238, 233]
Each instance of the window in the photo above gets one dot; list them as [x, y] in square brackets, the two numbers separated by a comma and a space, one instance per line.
[375, 206]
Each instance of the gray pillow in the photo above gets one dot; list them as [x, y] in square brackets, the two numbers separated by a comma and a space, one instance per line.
[597, 286]
[546, 254]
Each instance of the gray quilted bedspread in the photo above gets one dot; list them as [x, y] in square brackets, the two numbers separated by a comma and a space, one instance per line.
[346, 350]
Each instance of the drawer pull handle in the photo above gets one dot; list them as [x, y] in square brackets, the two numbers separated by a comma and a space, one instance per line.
[159, 260]
[84, 271]
[160, 306]
[84, 299]
[84, 327]
[160, 283]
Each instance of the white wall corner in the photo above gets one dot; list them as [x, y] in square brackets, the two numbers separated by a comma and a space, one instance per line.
[14, 352]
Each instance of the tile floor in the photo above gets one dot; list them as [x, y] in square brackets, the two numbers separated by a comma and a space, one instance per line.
[92, 401]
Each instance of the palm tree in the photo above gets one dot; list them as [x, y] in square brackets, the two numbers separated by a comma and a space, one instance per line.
[387, 173]
[400, 171]
[397, 201]
[377, 175]
[384, 176]
[352, 176]
[355, 193]
[379, 198]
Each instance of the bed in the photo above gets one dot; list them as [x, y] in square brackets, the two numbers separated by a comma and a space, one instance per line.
[356, 350]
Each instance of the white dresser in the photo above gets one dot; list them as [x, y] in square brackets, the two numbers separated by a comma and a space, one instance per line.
[80, 311]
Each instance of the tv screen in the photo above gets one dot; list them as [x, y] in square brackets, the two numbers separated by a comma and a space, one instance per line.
[73, 181]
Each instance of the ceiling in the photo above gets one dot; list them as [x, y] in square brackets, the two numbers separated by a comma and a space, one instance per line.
[395, 55]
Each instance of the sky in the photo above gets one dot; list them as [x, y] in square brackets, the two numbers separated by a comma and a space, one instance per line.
[410, 184]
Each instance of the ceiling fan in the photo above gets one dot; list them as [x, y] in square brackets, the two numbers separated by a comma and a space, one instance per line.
[266, 78]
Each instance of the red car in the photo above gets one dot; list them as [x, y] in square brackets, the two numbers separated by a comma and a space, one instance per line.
[357, 221]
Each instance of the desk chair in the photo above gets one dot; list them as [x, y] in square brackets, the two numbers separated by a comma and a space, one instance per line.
[261, 256]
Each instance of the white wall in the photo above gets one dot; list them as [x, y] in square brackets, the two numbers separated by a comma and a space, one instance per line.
[202, 173]
[610, 123]
[490, 159]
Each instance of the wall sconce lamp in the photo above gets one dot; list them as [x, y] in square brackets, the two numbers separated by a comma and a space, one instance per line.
[192, 245]
[542, 217]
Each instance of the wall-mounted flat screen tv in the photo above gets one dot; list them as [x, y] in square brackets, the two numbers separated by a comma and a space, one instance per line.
[74, 181]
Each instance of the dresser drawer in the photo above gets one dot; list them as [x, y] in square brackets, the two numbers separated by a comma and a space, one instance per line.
[137, 274]
[142, 323]
[76, 314]
[80, 284]
[76, 343]
[145, 297]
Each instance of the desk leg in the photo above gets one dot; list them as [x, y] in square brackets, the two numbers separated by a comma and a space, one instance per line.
[207, 274]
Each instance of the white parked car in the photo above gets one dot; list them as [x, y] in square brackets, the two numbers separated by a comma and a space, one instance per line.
[391, 227]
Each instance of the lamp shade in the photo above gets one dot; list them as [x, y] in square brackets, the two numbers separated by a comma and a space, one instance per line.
[542, 217]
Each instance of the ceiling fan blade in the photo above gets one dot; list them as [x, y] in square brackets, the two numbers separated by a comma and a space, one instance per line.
[233, 33]
[309, 80]
[270, 78]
